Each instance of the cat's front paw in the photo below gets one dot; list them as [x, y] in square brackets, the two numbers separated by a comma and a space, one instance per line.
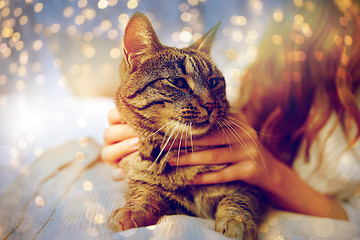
[234, 227]
[126, 218]
[121, 219]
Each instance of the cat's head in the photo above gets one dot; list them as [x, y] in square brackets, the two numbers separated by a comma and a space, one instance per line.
[168, 89]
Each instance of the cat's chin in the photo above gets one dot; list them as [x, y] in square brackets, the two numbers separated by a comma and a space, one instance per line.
[195, 130]
[201, 129]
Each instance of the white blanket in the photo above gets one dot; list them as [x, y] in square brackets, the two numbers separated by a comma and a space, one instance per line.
[68, 193]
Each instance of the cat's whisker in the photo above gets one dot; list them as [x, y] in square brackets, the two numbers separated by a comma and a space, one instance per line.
[225, 134]
[186, 137]
[191, 139]
[172, 144]
[160, 128]
[164, 146]
[179, 149]
[230, 127]
[174, 140]
[234, 120]
[165, 137]
[252, 139]
[240, 141]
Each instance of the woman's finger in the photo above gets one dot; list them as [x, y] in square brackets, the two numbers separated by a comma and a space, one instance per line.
[114, 117]
[240, 171]
[113, 153]
[117, 133]
[218, 156]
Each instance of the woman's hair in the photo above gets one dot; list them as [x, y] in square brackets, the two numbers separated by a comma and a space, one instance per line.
[308, 66]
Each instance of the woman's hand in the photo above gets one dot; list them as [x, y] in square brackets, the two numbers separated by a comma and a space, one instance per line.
[249, 161]
[119, 139]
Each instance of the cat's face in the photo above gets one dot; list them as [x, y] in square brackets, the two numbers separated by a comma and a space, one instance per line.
[176, 91]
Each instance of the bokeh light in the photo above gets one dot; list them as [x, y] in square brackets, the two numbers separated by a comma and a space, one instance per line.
[87, 186]
[102, 4]
[39, 201]
[278, 15]
[132, 4]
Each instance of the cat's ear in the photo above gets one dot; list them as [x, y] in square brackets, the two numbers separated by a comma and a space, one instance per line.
[139, 38]
[205, 42]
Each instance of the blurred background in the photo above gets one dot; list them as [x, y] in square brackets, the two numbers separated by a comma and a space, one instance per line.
[59, 62]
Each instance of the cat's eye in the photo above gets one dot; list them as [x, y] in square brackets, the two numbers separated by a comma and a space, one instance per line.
[213, 82]
[178, 82]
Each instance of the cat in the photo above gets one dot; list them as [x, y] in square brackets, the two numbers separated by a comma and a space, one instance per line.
[168, 93]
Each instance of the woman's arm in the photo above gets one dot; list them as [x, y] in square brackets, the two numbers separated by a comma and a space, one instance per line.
[288, 191]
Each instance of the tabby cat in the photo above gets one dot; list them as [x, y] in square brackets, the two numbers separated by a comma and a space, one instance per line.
[168, 93]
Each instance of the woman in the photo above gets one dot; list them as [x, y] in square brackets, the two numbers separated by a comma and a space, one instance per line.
[301, 96]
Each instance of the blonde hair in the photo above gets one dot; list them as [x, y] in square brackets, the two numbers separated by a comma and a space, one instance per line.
[308, 66]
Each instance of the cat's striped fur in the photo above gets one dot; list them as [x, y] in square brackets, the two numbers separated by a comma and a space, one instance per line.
[170, 94]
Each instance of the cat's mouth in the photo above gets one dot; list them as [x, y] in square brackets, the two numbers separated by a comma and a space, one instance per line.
[201, 128]
[195, 129]
[202, 124]
[188, 128]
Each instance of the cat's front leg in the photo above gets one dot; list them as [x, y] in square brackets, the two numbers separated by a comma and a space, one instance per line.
[143, 207]
[237, 216]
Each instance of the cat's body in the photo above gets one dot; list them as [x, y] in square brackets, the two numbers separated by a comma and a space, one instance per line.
[170, 94]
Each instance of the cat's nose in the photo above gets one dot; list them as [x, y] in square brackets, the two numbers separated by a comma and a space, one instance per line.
[210, 107]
